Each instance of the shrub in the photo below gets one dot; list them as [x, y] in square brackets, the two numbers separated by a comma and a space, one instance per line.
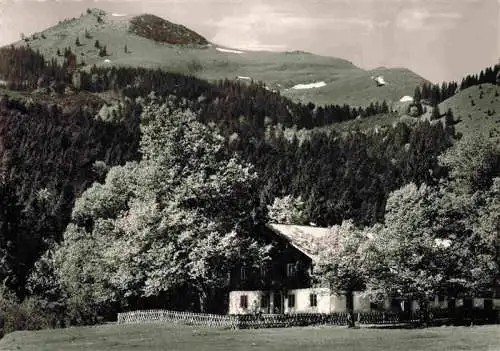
[35, 313]
[194, 66]
[59, 308]
[20, 316]
[103, 52]
[435, 113]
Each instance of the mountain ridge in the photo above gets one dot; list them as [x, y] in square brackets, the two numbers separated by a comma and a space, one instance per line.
[181, 50]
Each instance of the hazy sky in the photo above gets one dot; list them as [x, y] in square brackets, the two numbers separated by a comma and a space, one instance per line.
[439, 39]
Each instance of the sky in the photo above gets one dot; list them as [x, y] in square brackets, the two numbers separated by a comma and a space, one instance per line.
[441, 40]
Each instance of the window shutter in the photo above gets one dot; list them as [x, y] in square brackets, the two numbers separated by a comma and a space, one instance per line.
[313, 300]
[244, 301]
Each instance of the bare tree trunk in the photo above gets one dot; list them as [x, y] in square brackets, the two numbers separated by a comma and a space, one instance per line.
[423, 303]
[2, 325]
[350, 308]
[452, 309]
[203, 299]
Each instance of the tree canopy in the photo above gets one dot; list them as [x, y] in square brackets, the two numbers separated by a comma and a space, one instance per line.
[177, 219]
[443, 239]
[440, 239]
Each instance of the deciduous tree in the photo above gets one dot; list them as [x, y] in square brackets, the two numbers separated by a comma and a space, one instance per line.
[179, 218]
[437, 240]
[473, 162]
[345, 255]
[287, 210]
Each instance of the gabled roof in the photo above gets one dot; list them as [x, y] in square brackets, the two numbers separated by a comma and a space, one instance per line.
[306, 239]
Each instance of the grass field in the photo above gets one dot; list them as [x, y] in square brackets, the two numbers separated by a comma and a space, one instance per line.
[157, 337]
[477, 108]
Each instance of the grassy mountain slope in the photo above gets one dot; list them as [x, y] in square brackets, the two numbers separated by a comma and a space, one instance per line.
[345, 83]
[478, 112]
[477, 108]
[357, 88]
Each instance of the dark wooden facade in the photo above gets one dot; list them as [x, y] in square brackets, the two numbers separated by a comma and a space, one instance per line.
[288, 267]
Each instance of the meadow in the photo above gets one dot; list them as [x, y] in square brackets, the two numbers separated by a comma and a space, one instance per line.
[162, 337]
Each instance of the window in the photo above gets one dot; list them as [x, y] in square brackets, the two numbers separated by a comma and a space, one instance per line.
[244, 301]
[291, 301]
[290, 270]
[441, 298]
[264, 301]
[313, 300]
[243, 273]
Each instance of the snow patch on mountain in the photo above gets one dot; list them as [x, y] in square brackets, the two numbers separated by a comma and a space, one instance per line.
[406, 98]
[309, 86]
[229, 51]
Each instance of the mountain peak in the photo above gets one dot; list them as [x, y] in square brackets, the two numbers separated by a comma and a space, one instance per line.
[96, 12]
[158, 29]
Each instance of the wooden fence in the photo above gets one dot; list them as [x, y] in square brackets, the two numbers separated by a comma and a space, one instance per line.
[181, 318]
[252, 321]
[386, 318]
[291, 320]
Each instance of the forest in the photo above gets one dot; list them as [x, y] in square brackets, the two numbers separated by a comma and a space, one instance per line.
[64, 174]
